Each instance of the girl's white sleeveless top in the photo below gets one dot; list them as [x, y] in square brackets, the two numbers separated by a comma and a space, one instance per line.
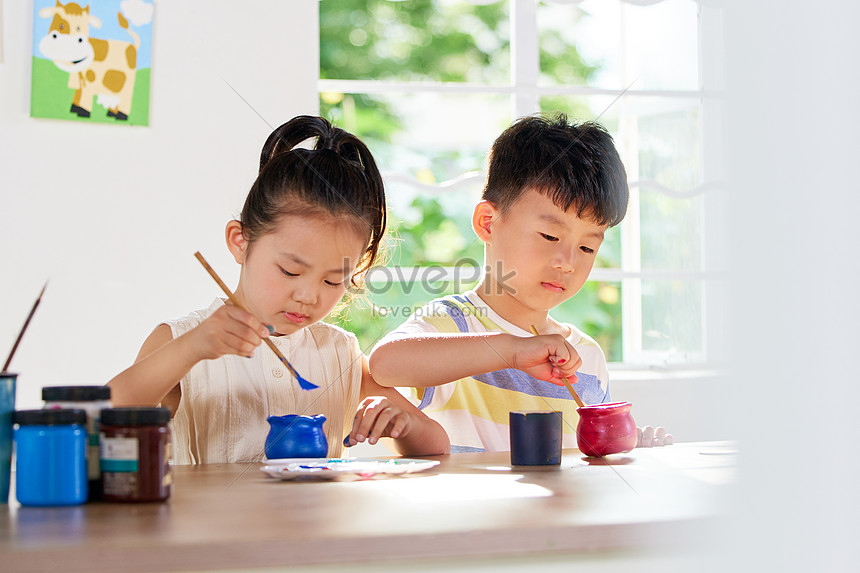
[222, 412]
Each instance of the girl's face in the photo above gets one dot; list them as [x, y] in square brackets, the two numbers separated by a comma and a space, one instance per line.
[295, 275]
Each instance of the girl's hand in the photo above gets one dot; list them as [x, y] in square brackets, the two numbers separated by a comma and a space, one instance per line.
[229, 330]
[378, 417]
[547, 357]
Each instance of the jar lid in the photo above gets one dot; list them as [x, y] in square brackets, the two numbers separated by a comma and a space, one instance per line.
[134, 416]
[75, 393]
[55, 417]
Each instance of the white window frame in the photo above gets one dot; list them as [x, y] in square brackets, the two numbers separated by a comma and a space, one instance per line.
[525, 93]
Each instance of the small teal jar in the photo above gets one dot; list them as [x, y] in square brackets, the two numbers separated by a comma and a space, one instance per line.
[51, 457]
[294, 436]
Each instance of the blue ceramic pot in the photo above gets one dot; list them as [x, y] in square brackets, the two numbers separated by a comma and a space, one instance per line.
[294, 436]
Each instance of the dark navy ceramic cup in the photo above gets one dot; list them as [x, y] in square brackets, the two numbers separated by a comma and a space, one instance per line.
[535, 438]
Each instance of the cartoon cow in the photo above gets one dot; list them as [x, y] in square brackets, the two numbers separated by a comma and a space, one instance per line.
[103, 68]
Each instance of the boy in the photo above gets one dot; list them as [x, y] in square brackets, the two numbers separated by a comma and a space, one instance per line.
[552, 190]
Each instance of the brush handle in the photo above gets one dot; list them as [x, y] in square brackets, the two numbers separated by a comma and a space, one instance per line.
[24, 329]
[235, 302]
[573, 393]
[282, 358]
[567, 383]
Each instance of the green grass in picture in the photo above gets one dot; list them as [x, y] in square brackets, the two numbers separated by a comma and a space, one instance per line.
[51, 98]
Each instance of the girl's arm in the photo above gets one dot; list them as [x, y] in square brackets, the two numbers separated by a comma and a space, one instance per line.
[164, 360]
[384, 412]
[158, 368]
[434, 359]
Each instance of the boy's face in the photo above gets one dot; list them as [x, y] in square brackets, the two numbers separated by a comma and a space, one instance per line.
[539, 256]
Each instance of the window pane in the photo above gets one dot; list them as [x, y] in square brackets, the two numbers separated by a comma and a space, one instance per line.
[670, 231]
[414, 40]
[668, 132]
[659, 142]
[431, 136]
[609, 255]
[383, 307]
[596, 310]
[658, 138]
[665, 136]
[417, 150]
[619, 44]
[672, 319]
[432, 230]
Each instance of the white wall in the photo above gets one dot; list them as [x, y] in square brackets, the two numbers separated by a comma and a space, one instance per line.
[794, 121]
[113, 214]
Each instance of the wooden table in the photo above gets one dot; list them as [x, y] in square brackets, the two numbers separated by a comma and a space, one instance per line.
[234, 516]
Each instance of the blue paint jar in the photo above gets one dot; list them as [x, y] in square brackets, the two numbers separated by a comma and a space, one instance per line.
[51, 457]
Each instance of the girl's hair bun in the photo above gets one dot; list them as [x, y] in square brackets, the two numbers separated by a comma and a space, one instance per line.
[304, 127]
[337, 176]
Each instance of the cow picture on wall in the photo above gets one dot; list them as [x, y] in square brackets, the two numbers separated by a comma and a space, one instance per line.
[92, 61]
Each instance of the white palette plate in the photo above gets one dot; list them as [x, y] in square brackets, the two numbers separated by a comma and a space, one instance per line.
[331, 468]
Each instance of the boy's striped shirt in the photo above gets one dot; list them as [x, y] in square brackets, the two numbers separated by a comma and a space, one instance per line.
[474, 410]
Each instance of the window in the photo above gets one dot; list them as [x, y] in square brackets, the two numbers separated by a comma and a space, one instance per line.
[429, 84]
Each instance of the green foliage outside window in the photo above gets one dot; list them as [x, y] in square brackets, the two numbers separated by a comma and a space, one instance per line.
[414, 40]
[422, 40]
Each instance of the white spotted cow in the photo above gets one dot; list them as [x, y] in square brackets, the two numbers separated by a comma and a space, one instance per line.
[97, 68]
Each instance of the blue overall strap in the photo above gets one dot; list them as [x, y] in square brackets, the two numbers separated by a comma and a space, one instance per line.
[460, 321]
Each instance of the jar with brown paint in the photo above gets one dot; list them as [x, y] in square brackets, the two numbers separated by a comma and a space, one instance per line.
[135, 454]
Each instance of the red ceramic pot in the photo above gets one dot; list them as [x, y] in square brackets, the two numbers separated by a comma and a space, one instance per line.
[605, 429]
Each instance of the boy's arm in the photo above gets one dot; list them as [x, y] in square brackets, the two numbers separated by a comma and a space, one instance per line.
[438, 358]
[433, 359]
[384, 412]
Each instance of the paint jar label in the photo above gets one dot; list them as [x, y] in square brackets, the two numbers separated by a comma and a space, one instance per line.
[119, 454]
[119, 465]
[168, 455]
[120, 484]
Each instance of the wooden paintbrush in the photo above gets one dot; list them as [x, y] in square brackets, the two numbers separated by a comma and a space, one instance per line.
[24, 328]
[567, 383]
[306, 385]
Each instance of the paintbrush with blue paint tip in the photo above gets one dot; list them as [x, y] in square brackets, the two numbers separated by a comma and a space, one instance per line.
[305, 385]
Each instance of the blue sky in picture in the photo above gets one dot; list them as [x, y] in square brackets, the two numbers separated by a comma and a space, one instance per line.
[104, 10]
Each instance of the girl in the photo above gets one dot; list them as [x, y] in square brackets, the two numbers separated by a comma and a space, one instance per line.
[311, 224]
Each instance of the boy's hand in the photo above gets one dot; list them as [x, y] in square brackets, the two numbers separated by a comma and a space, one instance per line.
[229, 330]
[378, 417]
[547, 357]
[649, 437]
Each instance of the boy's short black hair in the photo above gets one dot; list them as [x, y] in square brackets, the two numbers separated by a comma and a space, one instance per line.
[572, 164]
